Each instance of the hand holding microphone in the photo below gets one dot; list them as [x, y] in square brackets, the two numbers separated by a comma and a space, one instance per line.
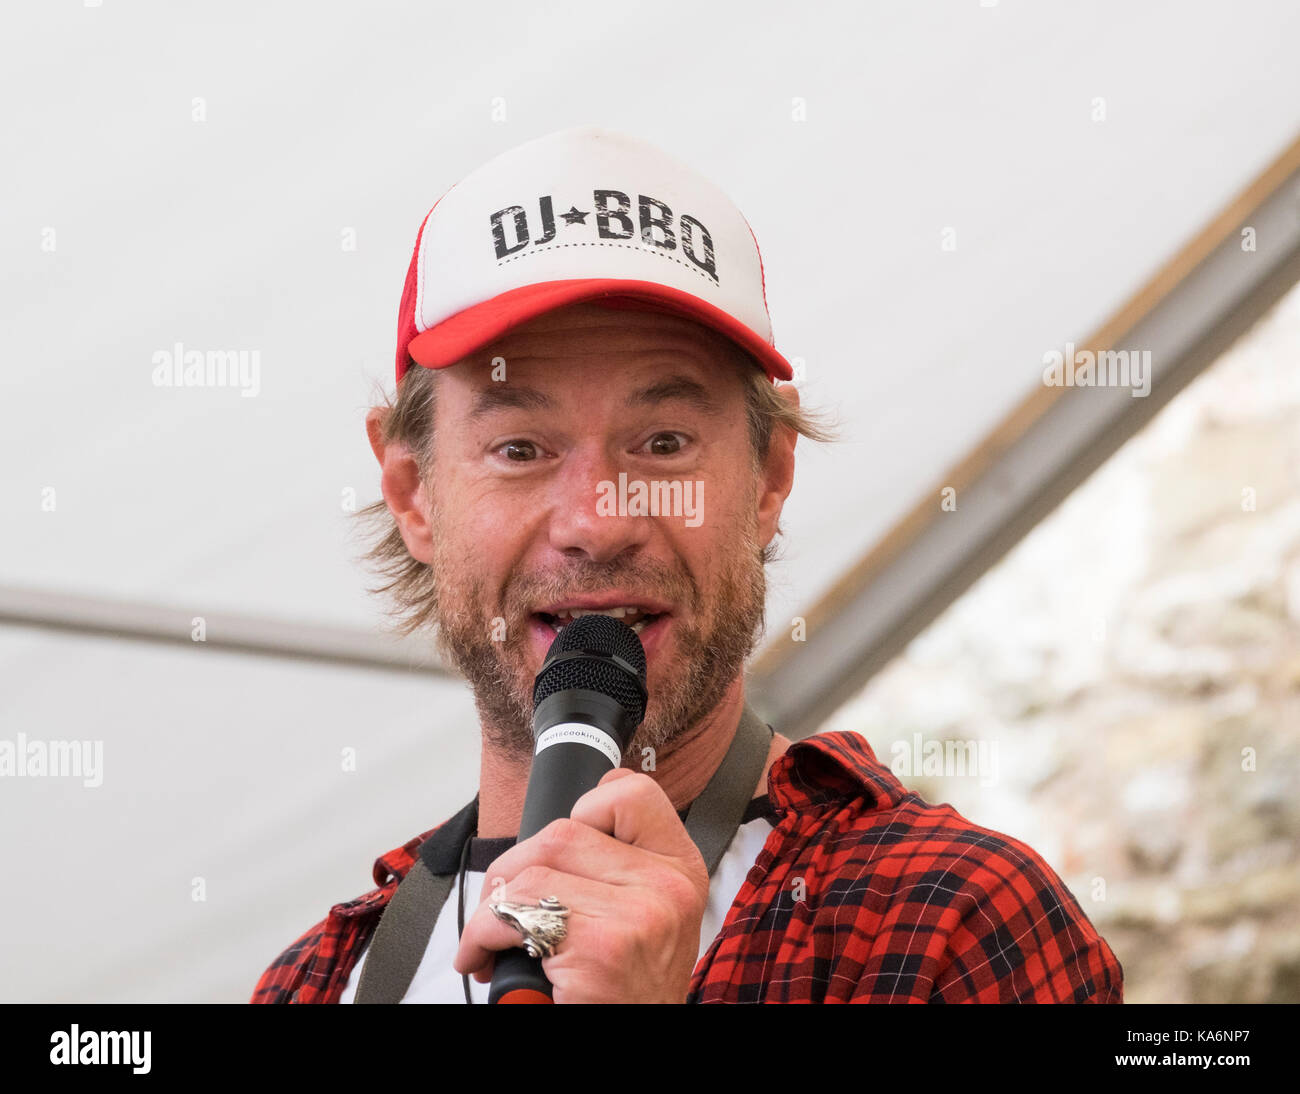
[603, 840]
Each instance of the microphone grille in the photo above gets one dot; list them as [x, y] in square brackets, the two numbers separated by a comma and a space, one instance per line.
[602, 635]
[602, 638]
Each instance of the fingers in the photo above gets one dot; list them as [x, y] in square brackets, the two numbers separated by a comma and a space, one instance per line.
[616, 832]
[576, 849]
[634, 809]
[485, 934]
[634, 881]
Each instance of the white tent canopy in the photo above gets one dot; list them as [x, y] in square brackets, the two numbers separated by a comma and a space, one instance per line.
[942, 194]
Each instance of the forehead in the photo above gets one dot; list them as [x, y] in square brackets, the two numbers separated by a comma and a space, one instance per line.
[622, 342]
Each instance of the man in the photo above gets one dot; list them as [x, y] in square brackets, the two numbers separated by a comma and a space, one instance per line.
[584, 325]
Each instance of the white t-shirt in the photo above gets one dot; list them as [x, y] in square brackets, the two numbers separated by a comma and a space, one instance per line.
[437, 982]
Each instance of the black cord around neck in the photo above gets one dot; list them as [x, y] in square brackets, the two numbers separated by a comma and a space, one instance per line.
[460, 909]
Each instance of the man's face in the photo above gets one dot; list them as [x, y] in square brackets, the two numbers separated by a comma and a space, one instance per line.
[529, 523]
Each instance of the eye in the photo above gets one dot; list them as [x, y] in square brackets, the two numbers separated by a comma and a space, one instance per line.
[666, 444]
[519, 451]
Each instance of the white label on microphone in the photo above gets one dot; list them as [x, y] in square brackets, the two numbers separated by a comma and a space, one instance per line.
[580, 733]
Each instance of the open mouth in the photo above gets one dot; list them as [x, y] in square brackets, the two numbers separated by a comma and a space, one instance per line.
[636, 617]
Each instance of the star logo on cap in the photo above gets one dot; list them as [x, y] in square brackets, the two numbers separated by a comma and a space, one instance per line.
[573, 216]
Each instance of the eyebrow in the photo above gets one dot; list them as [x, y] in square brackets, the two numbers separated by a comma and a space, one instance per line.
[508, 397]
[678, 387]
[513, 397]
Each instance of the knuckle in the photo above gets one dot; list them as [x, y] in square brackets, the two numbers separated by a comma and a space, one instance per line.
[556, 836]
[697, 874]
[634, 784]
[608, 942]
[531, 880]
[685, 890]
[644, 786]
[681, 893]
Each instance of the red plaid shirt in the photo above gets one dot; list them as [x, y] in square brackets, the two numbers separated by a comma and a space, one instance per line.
[863, 892]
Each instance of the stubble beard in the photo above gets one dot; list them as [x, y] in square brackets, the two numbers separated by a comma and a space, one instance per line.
[713, 631]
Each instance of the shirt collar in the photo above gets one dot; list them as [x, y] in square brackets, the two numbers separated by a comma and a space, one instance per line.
[838, 765]
[825, 767]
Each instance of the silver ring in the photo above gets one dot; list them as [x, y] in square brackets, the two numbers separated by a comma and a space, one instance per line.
[541, 925]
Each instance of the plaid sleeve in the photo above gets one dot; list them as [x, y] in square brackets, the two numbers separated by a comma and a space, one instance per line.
[981, 918]
[865, 892]
[1022, 937]
[289, 973]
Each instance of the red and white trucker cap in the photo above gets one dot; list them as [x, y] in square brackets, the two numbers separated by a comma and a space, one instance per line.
[585, 214]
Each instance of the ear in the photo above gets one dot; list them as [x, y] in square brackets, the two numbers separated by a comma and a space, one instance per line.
[402, 489]
[777, 473]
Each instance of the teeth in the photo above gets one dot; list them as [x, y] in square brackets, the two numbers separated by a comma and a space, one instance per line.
[614, 613]
[637, 626]
[636, 616]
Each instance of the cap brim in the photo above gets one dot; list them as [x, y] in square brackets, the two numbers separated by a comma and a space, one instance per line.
[471, 330]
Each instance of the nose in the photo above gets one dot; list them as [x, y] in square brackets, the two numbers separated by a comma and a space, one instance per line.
[586, 519]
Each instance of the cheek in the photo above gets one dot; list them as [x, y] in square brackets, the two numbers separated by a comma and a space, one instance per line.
[727, 507]
[712, 547]
[470, 509]
[483, 530]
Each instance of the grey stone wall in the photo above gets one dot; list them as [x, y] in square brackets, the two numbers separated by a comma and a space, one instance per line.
[1126, 686]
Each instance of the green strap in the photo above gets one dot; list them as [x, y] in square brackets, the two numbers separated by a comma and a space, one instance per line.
[714, 816]
[403, 934]
[407, 922]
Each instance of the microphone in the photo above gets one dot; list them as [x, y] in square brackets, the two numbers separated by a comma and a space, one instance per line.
[588, 699]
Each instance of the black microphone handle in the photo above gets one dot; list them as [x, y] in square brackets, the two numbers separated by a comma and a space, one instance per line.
[561, 774]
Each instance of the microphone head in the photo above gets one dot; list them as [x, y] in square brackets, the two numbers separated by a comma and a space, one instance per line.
[596, 653]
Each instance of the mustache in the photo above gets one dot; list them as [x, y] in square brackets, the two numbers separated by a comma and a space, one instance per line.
[656, 581]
